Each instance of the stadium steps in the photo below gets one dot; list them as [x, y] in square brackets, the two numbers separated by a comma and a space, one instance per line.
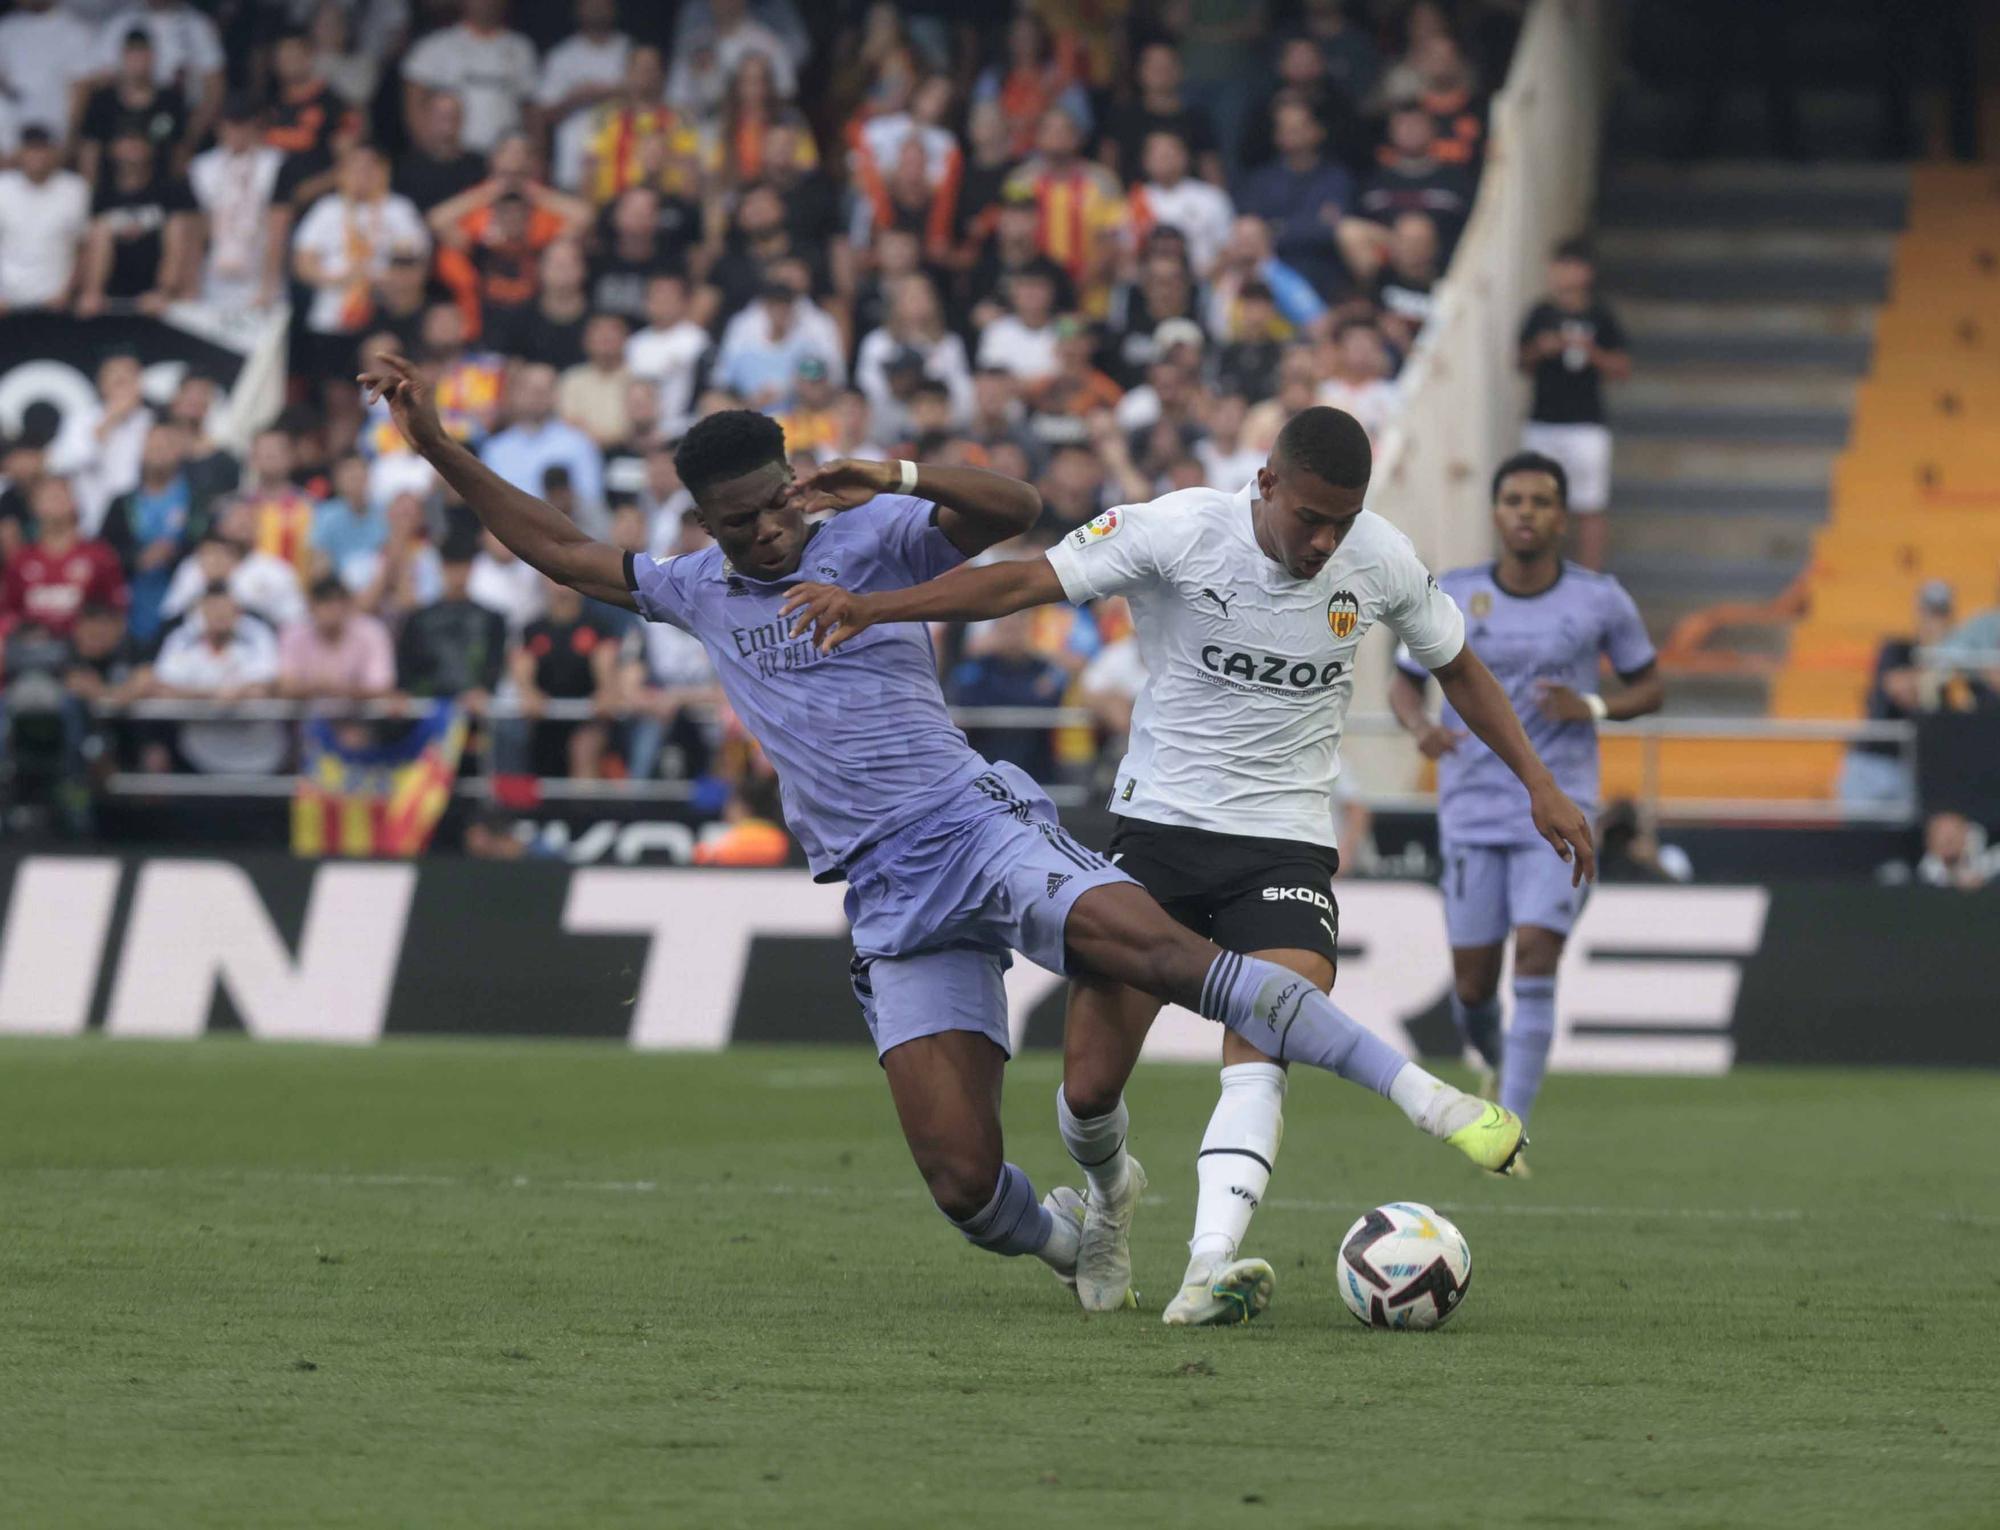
[1750, 291]
[1916, 496]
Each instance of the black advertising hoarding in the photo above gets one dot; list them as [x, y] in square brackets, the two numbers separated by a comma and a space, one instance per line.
[1657, 979]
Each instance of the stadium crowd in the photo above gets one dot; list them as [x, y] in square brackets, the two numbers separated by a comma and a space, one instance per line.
[1105, 248]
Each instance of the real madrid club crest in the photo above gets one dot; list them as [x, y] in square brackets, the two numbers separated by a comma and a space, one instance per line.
[1481, 604]
[1343, 612]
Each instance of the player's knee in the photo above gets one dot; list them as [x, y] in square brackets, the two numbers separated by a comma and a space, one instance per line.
[1537, 952]
[1476, 989]
[961, 1182]
[1090, 1091]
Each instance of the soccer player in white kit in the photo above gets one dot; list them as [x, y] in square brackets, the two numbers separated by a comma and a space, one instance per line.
[1249, 609]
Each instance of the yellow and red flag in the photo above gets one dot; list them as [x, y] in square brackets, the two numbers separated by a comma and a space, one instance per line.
[384, 800]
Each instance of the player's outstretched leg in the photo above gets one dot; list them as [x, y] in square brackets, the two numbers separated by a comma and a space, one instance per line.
[1104, 1029]
[947, 1092]
[1118, 932]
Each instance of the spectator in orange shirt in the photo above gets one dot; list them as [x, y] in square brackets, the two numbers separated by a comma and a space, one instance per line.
[813, 422]
[616, 156]
[737, 150]
[281, 515]
[1065, 402]
[491, 237]
[1035, 80]
[1080, 204]
[753, 832]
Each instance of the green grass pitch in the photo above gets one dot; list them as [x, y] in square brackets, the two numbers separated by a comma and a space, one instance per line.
[508, 1285]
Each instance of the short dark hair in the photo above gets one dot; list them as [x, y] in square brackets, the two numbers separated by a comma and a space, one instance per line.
[328, 587]
[461, 545]
[1577, 248]
[725, 445]
[1532, 462]
[1327, 443]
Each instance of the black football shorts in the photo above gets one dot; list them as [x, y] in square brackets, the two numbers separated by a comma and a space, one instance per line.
[1242, 892]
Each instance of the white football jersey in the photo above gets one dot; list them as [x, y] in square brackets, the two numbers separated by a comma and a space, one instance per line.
[1248, 670]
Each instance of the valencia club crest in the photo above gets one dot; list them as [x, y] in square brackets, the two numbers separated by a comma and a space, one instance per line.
[1343, 613]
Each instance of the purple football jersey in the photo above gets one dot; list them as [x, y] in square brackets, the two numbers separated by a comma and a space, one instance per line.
[861, 739]
[1556, 636]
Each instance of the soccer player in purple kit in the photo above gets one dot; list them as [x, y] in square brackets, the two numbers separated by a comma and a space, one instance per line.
[1540, 623]
[951, 861]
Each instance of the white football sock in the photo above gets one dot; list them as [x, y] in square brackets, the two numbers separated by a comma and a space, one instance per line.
[1237, 1152]
[1097, 1143]
[1431, 1103]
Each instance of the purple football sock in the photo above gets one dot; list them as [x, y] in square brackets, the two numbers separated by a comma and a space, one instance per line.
[1013, 1222]
[1284, 1016]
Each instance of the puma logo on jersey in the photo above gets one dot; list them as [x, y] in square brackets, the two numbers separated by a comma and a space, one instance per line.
[1298, 895]
[1273, 670]
[1218, 599]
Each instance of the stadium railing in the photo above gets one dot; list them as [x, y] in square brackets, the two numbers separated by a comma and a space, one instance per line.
[1651, 734]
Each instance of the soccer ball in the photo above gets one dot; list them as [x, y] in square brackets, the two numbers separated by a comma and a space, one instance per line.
[1404, 1266]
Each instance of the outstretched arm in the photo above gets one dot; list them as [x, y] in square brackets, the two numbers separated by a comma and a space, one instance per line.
[536, 533]
[976, 509]
[1477, 698]
[968, 594]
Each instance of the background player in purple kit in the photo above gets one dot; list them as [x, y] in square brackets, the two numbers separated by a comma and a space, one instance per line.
[951, 861]
[1540, 623]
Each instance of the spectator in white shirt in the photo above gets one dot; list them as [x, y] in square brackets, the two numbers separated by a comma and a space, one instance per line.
[668, 353]
[262, 583]
[223, 655]
[1226, 460]
[44, 52]
[1022, 342]
[101, 444]
[505, 584]
[1171, 198]
[187, 53]
[233, 185]
[342, 59]
[581, 71]
[697, 21]
[1358, 379]
[815, 330]
[479, 60]
[342, 248]
[44, 214]
[707, 61]
[915, 323]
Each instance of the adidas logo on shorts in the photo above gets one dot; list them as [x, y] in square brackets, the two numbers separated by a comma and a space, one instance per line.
[1057, 880]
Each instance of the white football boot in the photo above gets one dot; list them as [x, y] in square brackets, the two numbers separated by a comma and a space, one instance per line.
[1104, 1255]
[1219, 1292]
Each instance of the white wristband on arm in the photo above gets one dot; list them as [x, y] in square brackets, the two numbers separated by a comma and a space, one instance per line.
[909, 472]
[1599, 708]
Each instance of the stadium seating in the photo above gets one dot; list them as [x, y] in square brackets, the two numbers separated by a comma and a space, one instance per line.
[1915, 496]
